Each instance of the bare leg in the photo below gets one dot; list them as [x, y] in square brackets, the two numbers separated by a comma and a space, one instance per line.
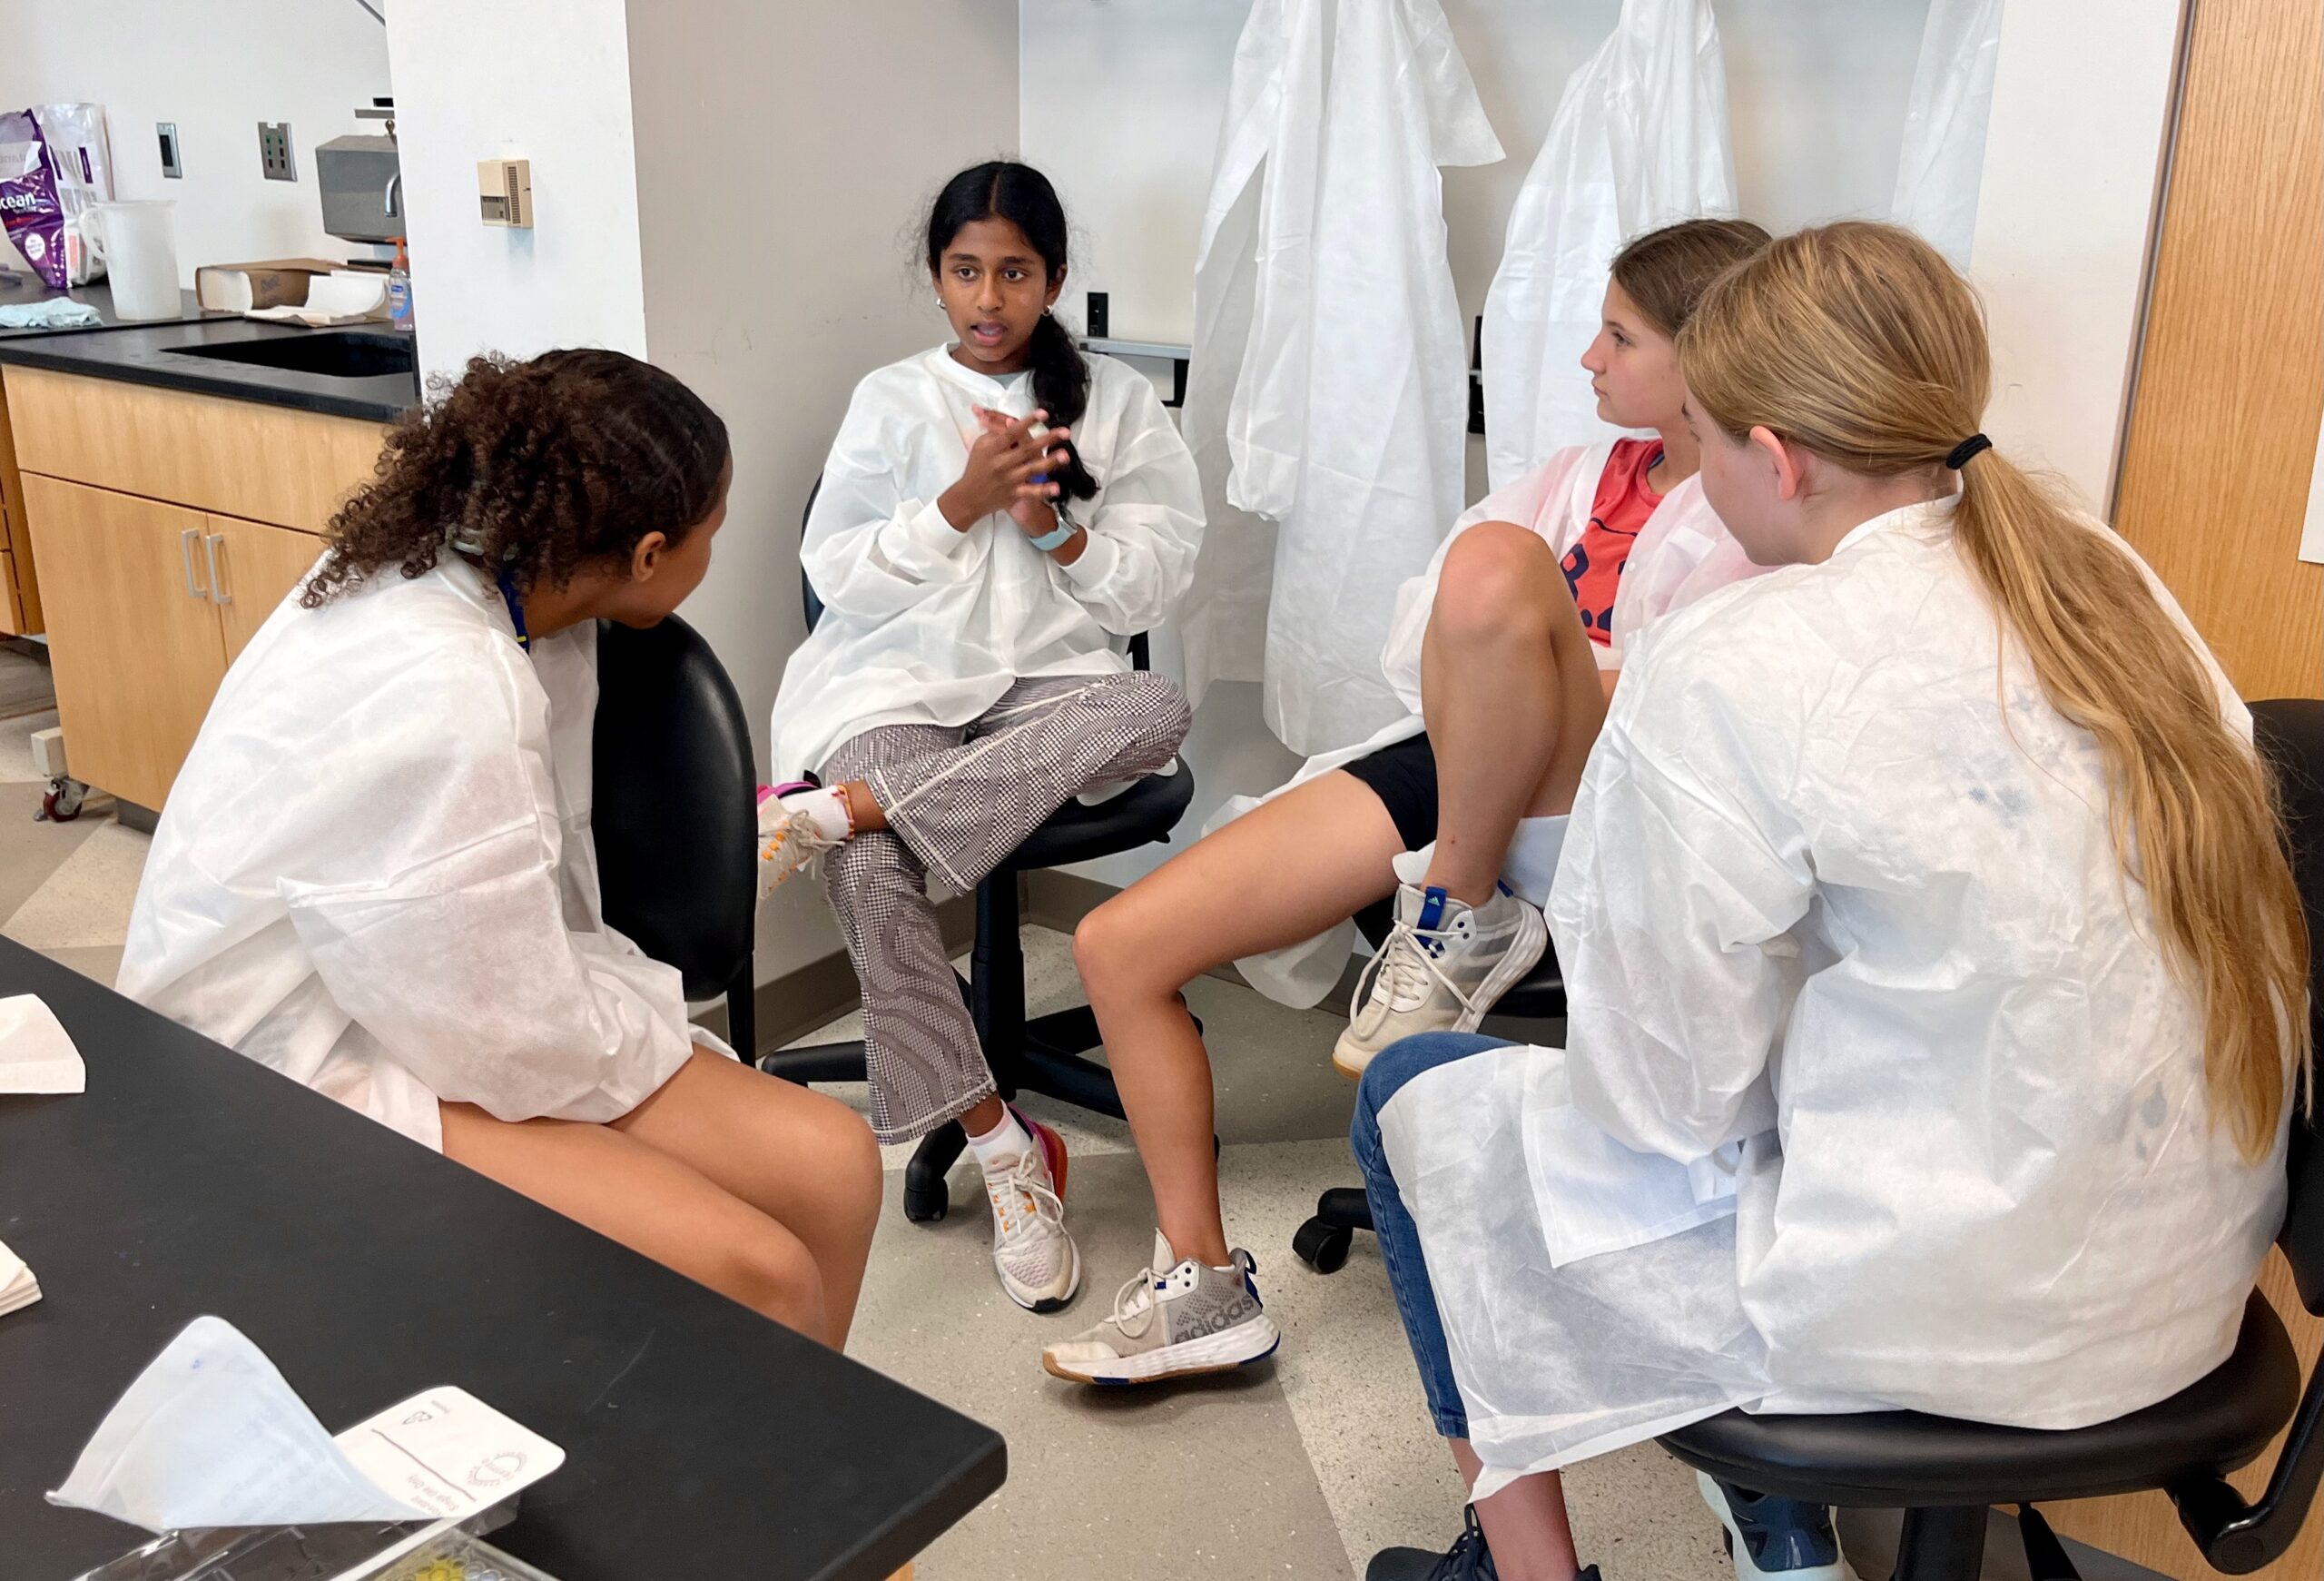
[804, 1161]
[651, 1203]
[1525, 1522]
[1282, 873]
[1509, 689]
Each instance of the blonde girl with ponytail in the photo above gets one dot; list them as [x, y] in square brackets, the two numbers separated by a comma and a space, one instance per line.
[1928, 885]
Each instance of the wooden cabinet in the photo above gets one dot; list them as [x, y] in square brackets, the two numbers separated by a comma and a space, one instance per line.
[250, 567]
[124, 580]
[169, 528]
[20, 612]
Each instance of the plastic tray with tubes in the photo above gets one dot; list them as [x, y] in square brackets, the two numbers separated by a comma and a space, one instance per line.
[323, 1553]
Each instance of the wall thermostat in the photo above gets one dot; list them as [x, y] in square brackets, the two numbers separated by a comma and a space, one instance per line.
[505, 189]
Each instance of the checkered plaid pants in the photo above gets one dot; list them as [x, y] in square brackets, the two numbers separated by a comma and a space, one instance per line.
[959, 800]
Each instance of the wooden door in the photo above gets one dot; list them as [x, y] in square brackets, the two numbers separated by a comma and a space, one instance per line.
[254, 566]
[137, 655]
[2222, 432]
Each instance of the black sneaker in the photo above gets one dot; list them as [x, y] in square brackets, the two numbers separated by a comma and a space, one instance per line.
[1468, 1560]
[1769, 1537]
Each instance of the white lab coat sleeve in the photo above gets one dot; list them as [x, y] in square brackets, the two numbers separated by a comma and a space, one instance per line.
[460, 962]
[1147, 528]
[875, 544]
[1676, 889]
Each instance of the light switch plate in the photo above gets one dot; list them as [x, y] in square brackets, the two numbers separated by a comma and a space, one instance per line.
[167, 133]
[274, 150]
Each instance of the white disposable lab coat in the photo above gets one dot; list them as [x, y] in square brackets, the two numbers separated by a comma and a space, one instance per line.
[1942, 159]
[1683, 553]
[1348, 371]
[923, 625]
[1835, 929]
[1639, 139]
[1245, 412]
[375, 872]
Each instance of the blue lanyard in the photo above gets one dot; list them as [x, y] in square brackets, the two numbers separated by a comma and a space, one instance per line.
[516, 608]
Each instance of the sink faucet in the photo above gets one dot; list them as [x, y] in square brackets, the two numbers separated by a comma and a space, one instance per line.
[395, 185]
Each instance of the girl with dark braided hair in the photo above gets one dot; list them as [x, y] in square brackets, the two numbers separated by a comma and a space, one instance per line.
[375, 873]
[997, 515]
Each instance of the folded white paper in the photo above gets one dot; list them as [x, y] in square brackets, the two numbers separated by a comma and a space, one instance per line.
[209, 1435]
[343, 297]
[36, 1055]
[18, 1288]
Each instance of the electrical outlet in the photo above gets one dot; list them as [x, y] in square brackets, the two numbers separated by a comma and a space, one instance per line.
[274, 150]
[1099, 321]
[166, 132]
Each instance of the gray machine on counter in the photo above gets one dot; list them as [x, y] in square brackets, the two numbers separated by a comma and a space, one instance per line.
[362, 181]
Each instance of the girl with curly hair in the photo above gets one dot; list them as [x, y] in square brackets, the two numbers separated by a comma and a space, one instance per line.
[375, 872]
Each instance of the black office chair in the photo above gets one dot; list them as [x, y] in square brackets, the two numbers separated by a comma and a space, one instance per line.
[1324, 1241]
[673, 814]
[1043, 1054]
[1944, 1474]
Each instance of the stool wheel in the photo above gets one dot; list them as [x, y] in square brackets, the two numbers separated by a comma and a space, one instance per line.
[1322, 1246]
[929, 1206]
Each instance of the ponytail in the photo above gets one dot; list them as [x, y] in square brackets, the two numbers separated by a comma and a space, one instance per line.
[1062, 389]
[1004, 189]
[1859, 342]
[2191, 807]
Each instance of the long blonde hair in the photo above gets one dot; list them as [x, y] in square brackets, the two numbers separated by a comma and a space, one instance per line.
[1858, 343]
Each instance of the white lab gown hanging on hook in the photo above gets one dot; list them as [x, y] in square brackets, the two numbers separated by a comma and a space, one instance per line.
[1381, 477]
[1943, 160]
[1246, 411]
[1639, 139]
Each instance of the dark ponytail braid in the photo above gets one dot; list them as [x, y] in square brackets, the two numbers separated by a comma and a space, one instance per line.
[1003, 190]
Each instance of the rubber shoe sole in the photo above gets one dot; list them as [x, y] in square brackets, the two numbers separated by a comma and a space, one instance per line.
[1349, 1058]
[1253, 1341]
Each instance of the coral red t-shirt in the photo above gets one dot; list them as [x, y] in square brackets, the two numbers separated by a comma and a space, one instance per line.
[1593, 565]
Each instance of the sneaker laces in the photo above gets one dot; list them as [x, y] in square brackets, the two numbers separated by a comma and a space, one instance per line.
[1469, 1559]
[1135, 1299]
[796, 832]
[1398, 972]
[1024, 1186]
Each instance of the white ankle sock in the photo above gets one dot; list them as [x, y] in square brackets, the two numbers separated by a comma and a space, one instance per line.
[825, 808]
[1008, 1139]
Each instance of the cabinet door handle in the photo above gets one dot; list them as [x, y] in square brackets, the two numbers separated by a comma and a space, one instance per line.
[218, 594]
[185, 553]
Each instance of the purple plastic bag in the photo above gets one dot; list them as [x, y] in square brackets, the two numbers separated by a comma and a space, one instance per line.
[29, 209]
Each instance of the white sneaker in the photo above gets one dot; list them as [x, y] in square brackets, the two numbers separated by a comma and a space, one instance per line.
[1442, 967]
[1038, 1265]
[1189, 1320]
[789, 838]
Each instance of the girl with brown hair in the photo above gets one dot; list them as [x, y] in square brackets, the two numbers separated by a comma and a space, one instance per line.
[1505, 650]
[1936, 976]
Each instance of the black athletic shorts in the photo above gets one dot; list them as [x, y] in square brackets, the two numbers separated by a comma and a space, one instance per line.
[1404, 776]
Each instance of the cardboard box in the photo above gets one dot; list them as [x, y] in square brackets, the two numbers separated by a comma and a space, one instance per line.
[237, 288]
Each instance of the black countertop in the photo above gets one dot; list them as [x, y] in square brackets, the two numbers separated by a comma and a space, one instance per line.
[155, 354]
[19, 289]
[700, 1438]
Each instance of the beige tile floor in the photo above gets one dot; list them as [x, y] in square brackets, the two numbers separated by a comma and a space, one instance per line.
[1299, 1468]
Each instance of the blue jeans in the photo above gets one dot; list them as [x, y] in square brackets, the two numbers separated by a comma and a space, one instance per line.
[1399, 1246]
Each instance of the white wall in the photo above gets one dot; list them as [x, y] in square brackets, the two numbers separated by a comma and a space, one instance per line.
[216, 69]
[2081, 115]
[1121, 100]
[786, 156]
[1121, 103]
[547, 80]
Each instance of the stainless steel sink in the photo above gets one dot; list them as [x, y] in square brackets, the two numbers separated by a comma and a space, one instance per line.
[336, 353]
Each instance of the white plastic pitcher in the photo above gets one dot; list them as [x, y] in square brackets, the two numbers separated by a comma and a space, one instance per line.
[141, 258]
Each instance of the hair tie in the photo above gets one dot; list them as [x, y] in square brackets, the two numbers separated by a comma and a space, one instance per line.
[1960, 455]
